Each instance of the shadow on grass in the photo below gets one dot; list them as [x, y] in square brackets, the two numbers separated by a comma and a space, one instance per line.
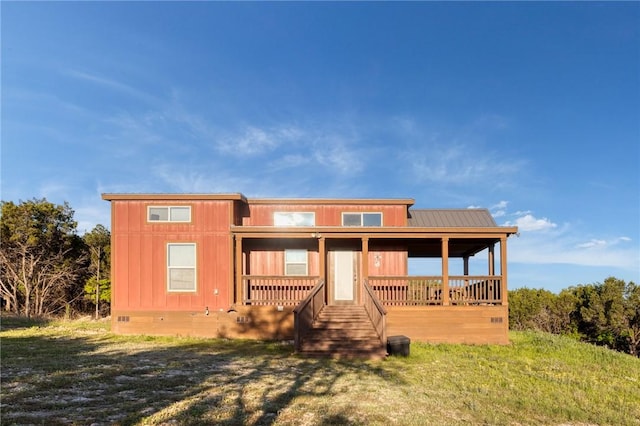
[55, 377]
[12, 321]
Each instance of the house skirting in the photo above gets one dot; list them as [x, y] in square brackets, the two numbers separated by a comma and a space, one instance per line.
[246, 322]
[450, 324]
[433, 324]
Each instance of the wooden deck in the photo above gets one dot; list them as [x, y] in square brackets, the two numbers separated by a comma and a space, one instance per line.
[410, 306]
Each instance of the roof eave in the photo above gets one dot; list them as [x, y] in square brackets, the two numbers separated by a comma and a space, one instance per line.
[329, 201]
[172, 197]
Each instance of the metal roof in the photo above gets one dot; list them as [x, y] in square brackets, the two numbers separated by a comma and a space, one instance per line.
[443, 218]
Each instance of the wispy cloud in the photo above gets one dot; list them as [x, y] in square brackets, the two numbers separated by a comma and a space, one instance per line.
[448, 158]
[592, 243]
[338, 154]
[189, 179]
[110, 84]
[133, 130]
[597, 243]
[289, 161]
[186, 152]
[252, 140]
[490, 121]
[55, 190]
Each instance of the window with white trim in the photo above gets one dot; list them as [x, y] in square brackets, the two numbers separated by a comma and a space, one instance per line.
[169, 213]
[294, 219]
[296, 262]
[181, 267]
[362, 219]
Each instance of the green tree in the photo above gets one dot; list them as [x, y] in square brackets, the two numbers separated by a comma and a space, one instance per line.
[631, 331]
[609, 314]
[535, 309]
[561, 312]
[98, 287]
[40, 256]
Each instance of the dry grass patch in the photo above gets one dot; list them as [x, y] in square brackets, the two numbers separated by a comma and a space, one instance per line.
[79, 373]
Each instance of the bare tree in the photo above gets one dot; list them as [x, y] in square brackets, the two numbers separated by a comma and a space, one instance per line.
[40, 255]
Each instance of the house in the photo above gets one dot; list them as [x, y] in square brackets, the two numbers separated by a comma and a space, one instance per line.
[224, 265]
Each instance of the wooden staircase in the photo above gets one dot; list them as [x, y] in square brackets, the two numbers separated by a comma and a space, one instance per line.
[343, 332]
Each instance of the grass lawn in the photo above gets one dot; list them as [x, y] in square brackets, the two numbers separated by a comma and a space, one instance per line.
[77, 372]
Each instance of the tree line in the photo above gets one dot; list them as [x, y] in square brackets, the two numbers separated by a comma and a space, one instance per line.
[46, 267]
[605, 313]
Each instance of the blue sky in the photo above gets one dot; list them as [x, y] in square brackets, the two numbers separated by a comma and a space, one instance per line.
[531, 110]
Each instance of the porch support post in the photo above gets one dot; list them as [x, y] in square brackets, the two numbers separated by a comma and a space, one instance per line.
[445, 271]
[492, 259]
[239, 271]
[503, 270]
[365, 258]
[465, 265]
[322, 258]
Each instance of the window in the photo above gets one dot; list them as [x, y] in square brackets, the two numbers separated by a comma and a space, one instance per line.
[181, 267]
[294, 219]
[169, 214]
[361, 219]
[295, 262]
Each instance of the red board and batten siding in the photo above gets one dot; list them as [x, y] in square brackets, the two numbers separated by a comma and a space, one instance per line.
[272, 263]
[140, 255]
[326, 214]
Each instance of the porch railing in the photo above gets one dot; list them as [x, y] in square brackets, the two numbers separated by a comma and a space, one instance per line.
[377, 313]
[276, 290]
[427, 290]
[407, 291]
[475, 290]
[306, 312]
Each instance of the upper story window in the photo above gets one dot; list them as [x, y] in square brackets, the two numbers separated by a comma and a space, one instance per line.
[361, 219]
[169, 213]
[294, 219]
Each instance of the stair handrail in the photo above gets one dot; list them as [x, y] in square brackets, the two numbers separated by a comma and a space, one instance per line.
[306, 312]
[376, 311]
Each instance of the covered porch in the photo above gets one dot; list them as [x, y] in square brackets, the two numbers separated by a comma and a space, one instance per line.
[348, 259]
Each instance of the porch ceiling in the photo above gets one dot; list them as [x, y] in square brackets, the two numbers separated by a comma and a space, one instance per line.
[465, 242]
[457, 247]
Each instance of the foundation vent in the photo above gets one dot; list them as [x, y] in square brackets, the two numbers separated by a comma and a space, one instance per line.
[496, 320]
[123, 318]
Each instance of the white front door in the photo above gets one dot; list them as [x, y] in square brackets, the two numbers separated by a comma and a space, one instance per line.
[344, 277]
